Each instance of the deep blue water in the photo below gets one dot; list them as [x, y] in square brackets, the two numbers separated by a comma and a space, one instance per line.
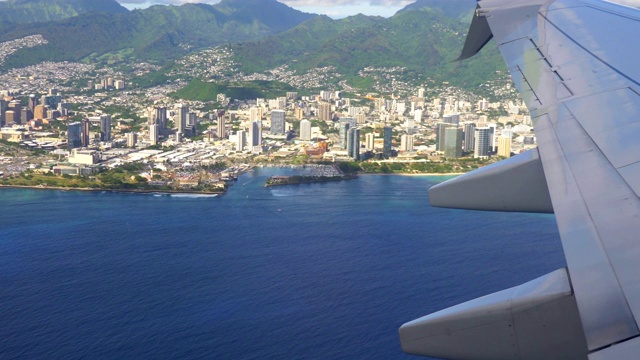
[320, 271]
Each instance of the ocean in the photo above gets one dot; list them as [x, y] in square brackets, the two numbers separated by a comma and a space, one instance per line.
[315, 271]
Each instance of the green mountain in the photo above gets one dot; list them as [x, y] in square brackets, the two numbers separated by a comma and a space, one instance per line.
[424, 41]
[30, 11]
[454, 9]
[157, 33]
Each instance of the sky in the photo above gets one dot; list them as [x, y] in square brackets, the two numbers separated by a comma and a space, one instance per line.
[333, 8]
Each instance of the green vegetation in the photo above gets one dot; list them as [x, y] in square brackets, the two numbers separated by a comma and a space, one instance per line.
[207, 91]
[158, 33]
[15, 11]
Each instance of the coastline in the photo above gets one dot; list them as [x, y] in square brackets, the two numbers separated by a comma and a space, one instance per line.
[131, 191]
[413, 174]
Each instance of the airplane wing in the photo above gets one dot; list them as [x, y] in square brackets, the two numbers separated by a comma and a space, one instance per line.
[576, 64]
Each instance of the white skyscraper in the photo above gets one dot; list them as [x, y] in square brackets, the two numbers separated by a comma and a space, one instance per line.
[370, 140]
[181, 117]
[305, 130]
[153, 134]
[406, 142]
[241, 140]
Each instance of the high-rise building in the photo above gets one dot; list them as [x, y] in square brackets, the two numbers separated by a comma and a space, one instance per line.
[256, 113]
[9, 117]
[74, 135]
[504, 146]
[241, 140]
[26, 114]
[387, 136]
[153, 134]
[353, 143]
[453, 142]
[255, 133]
[417, 116]
[440, 134]
[158, 115]
[3, 107]
[370, 141]
[421, 93]
[346, 123]
[482, 142]
[298, 112]
[32, 102]
[105, 127]
[221, 127]
[132, 139]
[16, 106]
[305, 130]
[324, 110]
[469, 136]
[40, 112]
[406, 142]
[493, 143]
[278, 122]
[86, 129]
[453, 119]
[361, 118]
[292, 95]
[191, 118]
[181, 117]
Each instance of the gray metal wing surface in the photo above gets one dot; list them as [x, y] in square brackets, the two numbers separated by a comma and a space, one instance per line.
[577, 65]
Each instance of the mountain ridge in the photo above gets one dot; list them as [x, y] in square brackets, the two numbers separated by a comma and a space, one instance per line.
[30, 11]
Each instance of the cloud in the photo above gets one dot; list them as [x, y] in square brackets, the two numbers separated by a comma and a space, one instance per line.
[294, 3]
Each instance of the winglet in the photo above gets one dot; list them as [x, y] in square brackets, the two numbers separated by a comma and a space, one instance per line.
[478, 36]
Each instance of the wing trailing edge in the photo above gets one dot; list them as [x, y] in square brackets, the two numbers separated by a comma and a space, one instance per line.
[515, 184]
[536, 320]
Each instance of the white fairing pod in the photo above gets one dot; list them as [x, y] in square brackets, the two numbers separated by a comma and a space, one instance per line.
[536, 320]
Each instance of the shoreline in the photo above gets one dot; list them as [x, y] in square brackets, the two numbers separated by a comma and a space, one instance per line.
[130, 191]
[218, 193]
[414, 174]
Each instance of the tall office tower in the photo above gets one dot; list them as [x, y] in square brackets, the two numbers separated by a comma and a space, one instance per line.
[344, 127]
[298, 112]
[406, 142]
[191, 118]
[417, 116]
[32, 102]
[86, 128]
[105, 127]
[26, 115]
[453, 142]
[482, 142]
[353, 143]
[222, 124]
[325, 111]
[255, 133]
[181, 117]
[119, 84]
[401, 108]
[278, 122]
[132, 139]
[387, 135]
[158, 115]
[241, 140]
[16, 106]
[421, 93]
[74, 135]
[370, 141]
[305, 130]
[3, 107]
[469, 134]
[361, 118]
[409, 125]
[153, 134]
[504, 146]
[440, 134]
[292, 95]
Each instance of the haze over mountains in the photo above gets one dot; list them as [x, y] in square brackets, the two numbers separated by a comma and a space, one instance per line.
[423, 38]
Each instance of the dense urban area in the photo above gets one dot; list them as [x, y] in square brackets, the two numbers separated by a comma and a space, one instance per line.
[95, 127]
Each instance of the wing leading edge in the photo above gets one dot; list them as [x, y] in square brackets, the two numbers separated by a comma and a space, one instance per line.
[581, 84]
